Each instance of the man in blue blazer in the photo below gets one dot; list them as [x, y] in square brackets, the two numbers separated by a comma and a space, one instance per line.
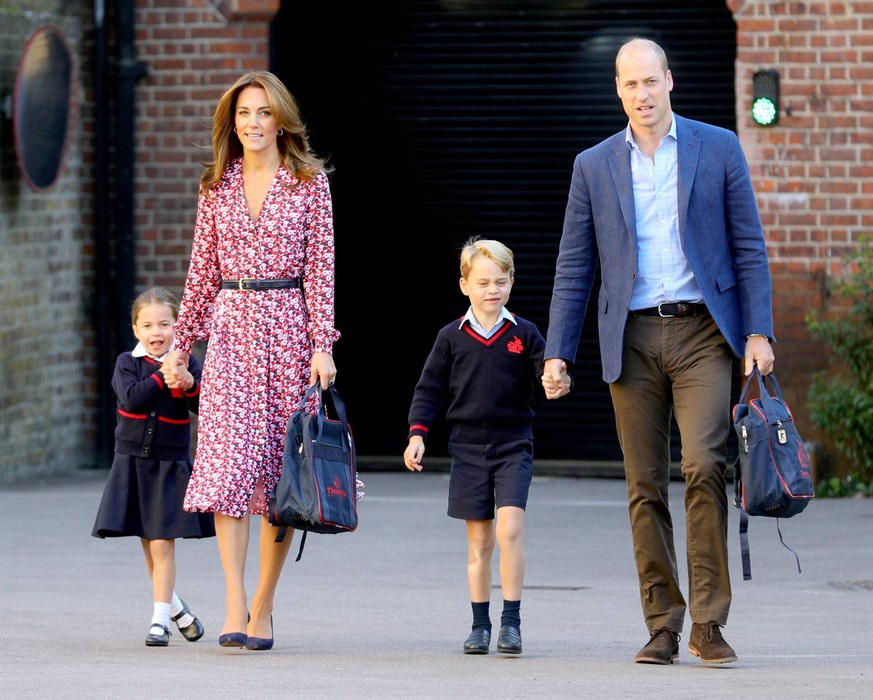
[666, 208]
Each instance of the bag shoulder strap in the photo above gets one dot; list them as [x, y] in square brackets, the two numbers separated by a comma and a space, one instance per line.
[280, 537]
[744, 545]
[302, 543]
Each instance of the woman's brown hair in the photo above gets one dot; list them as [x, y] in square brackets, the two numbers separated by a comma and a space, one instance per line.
[293, 143]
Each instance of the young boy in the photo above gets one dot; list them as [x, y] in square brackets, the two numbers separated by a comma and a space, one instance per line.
[488, 364]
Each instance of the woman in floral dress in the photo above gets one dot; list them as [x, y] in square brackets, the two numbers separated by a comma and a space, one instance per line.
[260, 288]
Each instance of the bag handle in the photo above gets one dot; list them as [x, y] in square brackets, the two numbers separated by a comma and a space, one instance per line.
[766, 398]
[338, 404]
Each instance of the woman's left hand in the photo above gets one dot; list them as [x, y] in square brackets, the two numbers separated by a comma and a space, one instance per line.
[322, 369]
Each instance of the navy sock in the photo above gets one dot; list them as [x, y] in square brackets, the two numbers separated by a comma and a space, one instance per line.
[481, 616]
[511, 613]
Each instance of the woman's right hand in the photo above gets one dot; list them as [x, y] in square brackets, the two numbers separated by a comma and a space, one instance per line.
[175, 367]
[322, 369]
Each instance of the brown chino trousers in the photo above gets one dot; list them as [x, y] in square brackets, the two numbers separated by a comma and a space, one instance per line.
[680, 365]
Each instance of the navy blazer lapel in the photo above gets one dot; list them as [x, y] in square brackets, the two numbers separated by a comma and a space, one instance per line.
[619, 167]
[688, 151]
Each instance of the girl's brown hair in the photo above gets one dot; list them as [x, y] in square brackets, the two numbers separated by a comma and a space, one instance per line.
[155, 295]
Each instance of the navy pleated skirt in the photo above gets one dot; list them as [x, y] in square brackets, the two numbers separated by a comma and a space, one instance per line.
[143, 498]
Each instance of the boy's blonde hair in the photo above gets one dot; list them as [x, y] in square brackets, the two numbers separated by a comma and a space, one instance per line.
[155, 295]
[493, 250]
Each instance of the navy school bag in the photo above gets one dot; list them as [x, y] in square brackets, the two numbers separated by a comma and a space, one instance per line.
[772, 476]
[317, 488]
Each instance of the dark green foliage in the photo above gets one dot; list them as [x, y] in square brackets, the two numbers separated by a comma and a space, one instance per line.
[835, 487]
[841, 398]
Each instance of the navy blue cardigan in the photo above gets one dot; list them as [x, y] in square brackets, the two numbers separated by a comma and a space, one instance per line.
[489, 383]
[152, 420]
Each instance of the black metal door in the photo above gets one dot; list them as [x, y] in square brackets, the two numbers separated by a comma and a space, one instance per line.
[449, 119]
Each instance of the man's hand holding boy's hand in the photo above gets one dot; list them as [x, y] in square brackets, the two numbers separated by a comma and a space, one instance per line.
[556, 381]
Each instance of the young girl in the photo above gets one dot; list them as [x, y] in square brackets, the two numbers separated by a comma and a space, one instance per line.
[487, 366]
[152, 464]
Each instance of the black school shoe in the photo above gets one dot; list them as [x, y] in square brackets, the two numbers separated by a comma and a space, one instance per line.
[191, 632]
[478, 641]
[155, 639]
[509, 640]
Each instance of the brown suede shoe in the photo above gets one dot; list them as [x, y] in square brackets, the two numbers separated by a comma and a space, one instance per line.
[663, 648]
[707, 643]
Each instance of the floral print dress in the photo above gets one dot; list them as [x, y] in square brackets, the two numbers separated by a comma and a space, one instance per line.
[257, 362]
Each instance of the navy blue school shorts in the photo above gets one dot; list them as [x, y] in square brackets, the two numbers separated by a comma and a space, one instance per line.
[485, 477]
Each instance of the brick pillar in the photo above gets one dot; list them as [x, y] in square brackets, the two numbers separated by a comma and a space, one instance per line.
[812, 171]
[194, 52]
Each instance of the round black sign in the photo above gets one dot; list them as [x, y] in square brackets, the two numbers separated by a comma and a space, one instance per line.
[41, 106]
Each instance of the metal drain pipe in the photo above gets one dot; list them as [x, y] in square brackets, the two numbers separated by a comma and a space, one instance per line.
[114, 204]
[129, 71]
[101, 294]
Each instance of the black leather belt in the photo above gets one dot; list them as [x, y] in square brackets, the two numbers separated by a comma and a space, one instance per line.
[676, 309]
[251, 285]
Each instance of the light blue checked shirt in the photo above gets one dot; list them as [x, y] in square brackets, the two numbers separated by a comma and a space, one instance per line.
[663, 272]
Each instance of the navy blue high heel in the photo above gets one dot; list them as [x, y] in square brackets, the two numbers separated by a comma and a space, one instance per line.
[259, 643]
[234, 639]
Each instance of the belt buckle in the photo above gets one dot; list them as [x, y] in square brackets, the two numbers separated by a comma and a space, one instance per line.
[243, 282]
[662, 314]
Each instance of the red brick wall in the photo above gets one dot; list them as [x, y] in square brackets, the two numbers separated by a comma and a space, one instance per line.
[194, 52]
[813, 171]
[44, 373]
[815, 188]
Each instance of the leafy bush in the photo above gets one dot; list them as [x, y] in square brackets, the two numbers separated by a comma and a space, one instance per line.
[841, 399]
[835, 487]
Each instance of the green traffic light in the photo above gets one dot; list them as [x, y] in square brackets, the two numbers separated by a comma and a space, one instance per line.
[764, 111]
[765, 97]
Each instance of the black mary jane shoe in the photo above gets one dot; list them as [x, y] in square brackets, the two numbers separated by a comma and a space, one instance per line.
[191, 632]
[509, 640]
[261, 643]
[478, 641]
[158, 639]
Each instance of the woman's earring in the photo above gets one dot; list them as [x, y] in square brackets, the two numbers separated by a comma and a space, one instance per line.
[281, 132]
[234, 129]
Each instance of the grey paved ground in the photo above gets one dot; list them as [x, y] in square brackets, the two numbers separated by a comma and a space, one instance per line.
[381, 612]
